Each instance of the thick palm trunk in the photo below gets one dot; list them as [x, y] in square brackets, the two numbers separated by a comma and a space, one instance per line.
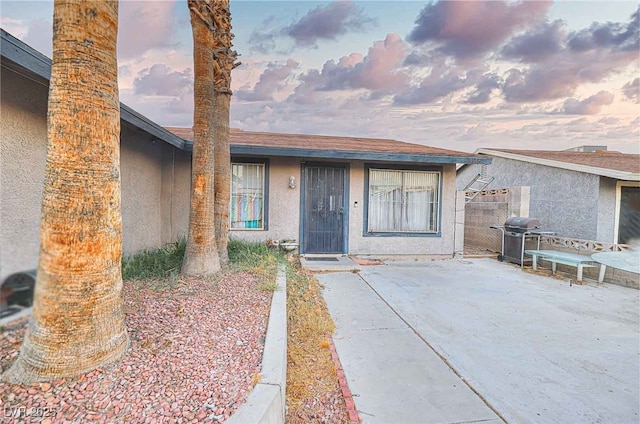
[222, 173]
[78, 319]
[225, 61]
[201, 255]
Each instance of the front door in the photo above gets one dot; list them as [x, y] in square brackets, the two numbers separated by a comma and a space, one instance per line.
[324, 209]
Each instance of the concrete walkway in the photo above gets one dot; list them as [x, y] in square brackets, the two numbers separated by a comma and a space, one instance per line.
[536, 349]
[394, 376]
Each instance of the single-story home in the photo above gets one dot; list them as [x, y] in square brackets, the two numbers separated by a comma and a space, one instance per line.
[343, 195]
[155, 166]
[590, 194]
[340, 195]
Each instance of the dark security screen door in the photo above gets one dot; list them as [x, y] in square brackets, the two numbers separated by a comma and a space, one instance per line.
[324, 216]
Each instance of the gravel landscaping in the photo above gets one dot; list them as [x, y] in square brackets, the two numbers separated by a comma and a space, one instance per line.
[195, 354]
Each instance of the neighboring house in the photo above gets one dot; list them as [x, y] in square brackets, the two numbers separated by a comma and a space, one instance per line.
[582, 193]
[332, 194]
[344, 195]
[155, 166]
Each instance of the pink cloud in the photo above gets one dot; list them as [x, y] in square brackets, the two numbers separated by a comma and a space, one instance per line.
[378, 71]
[271, 80]
[144, 25]
[472, 28]
[588, 106]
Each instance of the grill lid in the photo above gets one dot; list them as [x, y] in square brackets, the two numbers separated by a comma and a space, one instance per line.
[518, 223]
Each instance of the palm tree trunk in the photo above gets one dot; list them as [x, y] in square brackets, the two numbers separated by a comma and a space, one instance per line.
[78, 320]
[222, 173]
[201, 255]
[225, 62]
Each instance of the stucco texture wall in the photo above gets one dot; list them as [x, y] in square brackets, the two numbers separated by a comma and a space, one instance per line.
[23, 142]
[607, 210]
[359, 244]
[564, 201]
[155, 190]
[284, 214]
[283, 220]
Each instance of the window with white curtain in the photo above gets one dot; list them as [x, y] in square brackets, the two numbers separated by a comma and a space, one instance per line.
[247, 196]
[403, 201]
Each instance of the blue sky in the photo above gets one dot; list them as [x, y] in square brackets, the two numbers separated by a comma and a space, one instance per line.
[454, 74]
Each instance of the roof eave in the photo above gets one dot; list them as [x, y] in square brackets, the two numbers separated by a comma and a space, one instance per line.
[34, 62]
[243, 149]
[604, 172]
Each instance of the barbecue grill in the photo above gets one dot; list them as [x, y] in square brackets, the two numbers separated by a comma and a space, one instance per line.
[514, 236]
[16, 292]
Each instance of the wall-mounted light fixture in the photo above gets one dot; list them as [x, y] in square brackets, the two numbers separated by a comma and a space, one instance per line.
[292, 182]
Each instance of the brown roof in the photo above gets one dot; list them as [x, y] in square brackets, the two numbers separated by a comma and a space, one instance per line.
[321, 142]
[599, 159]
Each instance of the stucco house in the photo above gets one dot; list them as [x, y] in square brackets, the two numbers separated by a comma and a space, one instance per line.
[340, 195]
[588, 194]
[344, 195]
[155, 166]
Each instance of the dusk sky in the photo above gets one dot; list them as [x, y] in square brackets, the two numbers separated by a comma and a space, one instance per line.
[454, 74]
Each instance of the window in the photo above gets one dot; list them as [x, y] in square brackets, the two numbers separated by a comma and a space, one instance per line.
[247, 209]
[403, 201]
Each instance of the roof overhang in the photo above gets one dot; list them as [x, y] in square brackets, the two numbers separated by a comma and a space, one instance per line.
[251, 150]
[605, 172]
[27, 61]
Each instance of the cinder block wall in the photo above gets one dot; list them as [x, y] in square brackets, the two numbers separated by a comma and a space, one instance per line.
[478, 218]
[612, 275]
[493, 207]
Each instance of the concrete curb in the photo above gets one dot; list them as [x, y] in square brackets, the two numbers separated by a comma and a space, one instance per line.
[266, 402]
[354, 417]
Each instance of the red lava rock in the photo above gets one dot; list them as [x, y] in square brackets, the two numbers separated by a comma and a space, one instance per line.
[185, 357]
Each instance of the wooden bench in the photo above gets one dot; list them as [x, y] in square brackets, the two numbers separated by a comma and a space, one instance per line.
[565, 258]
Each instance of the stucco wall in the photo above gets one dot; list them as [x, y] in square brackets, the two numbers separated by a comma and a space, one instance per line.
[427, 245]
[23, 136]
[155, 180]
[284, 203]
[175, 193]
[284, 214]
[141, 173]
[607, 210]
[564, 201]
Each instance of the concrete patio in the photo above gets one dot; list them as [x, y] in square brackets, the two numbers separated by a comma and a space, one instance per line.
[449, 341]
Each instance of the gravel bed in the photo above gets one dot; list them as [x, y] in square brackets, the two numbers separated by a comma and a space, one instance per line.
[195, 354]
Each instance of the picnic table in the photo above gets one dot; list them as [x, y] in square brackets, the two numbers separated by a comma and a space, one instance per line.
[628, 260]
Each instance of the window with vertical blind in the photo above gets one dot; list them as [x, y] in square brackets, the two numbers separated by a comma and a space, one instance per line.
[402, 201]
[248, 198]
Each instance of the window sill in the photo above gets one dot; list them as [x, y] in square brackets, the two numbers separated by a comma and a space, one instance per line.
[438, 234]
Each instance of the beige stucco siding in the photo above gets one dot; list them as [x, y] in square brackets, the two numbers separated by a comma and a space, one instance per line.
[175, 193]
[23, 141]
[141, 172]
[421, 245]
[284, 214]
[155, 180]
[284, 203]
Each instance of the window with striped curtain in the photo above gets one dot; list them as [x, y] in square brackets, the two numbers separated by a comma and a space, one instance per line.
[403, 201]
[247, 196]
